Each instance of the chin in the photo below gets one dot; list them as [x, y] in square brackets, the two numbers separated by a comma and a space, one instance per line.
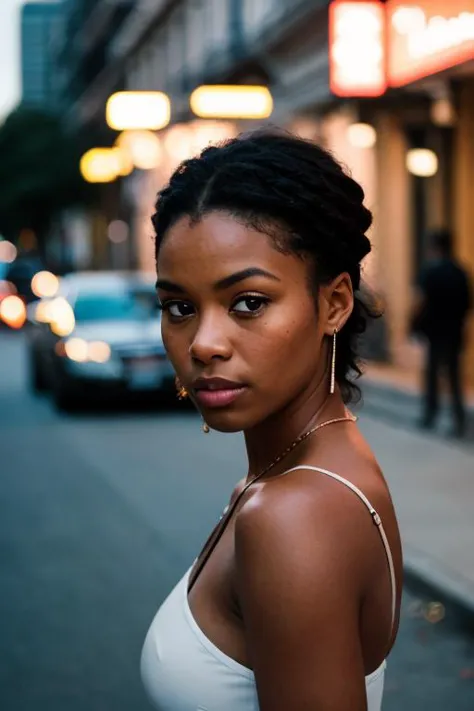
[229, 422]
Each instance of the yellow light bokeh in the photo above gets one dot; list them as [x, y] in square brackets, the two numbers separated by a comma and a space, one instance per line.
[43, 311]
[125, 162]
[185, 140]
[99, 352]
[143, 148]
[237, 102]
[133, 110]
[61, 317]
[422, 162]
[362, 135]
[45, 284]
[101, 165]
[76, 349]
[13, 311]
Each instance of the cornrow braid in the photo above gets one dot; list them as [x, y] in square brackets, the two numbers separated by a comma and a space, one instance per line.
[298, 194]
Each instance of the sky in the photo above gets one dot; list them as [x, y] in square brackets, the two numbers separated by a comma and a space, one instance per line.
[9, 55]
[10, 82]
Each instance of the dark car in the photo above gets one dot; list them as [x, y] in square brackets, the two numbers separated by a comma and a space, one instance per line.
[20, 273]
[100, 333]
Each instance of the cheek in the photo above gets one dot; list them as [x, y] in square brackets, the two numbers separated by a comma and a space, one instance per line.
[175, 345]
[287, 344]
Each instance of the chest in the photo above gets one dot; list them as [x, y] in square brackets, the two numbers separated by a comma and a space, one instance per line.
[213, 598]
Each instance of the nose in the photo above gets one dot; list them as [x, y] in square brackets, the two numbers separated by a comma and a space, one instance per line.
[210, 341]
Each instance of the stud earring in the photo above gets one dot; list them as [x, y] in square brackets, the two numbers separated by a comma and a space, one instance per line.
[333, 363]
[205, 427]
[181, 391]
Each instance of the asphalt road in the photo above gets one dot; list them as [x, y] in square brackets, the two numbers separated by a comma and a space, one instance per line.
[100, 513]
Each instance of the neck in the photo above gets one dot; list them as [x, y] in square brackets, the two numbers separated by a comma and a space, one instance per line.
[269, 439]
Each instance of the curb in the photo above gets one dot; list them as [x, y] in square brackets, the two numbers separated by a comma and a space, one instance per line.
[428, 578]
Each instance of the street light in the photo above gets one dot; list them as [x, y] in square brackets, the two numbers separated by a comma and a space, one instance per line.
[143, 148]
[104, 165]
[232, 102]
[362, 135]
[185, 140]
[422, 162]
[129, 110]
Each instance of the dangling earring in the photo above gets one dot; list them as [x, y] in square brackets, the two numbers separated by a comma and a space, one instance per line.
[205, 427]
[333, 363]
[182, 393]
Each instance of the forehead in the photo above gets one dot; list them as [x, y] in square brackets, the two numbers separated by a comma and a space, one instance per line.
[220, 244]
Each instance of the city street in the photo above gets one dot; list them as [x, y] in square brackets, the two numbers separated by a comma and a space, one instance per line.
[100, 513]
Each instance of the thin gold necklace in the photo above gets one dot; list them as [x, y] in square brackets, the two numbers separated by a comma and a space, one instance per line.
[216, 535]
[301, 438]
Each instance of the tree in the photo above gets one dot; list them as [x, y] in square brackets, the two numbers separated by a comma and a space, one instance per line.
[39, 171]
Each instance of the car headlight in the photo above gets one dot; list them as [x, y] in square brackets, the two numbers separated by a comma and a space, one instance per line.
[13, 311]
[42, 311]
[99, 352]
[61, 317]
[81, 351]
[44, 284]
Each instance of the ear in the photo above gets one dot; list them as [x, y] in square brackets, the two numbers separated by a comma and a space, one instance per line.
[339, 296]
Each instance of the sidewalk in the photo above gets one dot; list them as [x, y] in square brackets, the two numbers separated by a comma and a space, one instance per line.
[432, 483]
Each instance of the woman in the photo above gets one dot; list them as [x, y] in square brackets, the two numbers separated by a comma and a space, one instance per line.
[293, 604]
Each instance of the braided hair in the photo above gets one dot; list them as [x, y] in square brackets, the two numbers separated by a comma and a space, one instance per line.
[297, 193]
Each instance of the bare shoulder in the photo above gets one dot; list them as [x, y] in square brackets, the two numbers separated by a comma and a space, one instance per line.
[304, 516]
[311, 524]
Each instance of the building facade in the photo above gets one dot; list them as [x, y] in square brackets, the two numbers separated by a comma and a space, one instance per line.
[39, 23]
[87, 75]
[82, 54]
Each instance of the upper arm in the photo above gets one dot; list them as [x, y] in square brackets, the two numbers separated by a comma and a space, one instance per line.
[300, 596]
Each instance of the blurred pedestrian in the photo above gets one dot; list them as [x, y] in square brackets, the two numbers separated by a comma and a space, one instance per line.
[294, 600]
[443, 303]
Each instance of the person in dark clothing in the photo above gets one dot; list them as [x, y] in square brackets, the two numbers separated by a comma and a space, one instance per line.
[444, 300]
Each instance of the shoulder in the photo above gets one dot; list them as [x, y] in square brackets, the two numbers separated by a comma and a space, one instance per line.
[303, 524]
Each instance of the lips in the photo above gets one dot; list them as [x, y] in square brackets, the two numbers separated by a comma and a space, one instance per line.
[217, 392]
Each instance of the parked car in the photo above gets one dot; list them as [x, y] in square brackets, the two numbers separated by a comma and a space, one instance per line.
[101, 332]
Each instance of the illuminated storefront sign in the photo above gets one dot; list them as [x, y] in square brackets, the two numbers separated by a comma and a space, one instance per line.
[357, 48]
[374, 46]
[428, 36]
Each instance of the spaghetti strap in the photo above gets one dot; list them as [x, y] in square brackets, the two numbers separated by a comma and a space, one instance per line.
[376, 519]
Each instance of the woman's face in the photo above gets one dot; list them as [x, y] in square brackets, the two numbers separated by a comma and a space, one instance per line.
[237, 309]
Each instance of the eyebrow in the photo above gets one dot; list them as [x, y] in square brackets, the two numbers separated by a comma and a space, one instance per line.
[222, 284]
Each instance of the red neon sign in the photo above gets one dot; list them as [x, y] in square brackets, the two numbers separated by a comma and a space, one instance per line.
[428, 36]
[357, 54]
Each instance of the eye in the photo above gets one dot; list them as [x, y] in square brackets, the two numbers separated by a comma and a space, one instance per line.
[252, 304]
[178, 309]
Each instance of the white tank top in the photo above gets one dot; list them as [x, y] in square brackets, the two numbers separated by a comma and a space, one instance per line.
[182, 670]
